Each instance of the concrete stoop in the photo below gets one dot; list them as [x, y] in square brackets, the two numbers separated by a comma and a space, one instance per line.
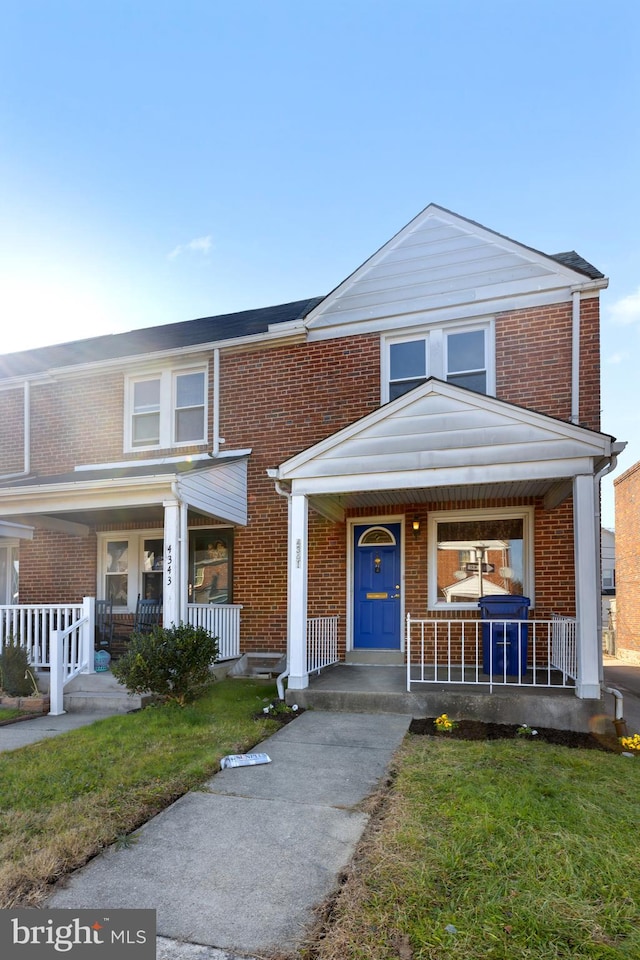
[382, 689]
[96, 693]
[99, 692]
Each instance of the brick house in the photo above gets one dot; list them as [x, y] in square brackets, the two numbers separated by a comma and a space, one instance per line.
[308, 476]
[627, 493]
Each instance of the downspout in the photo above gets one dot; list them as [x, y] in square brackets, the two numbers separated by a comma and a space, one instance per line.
[575, 357]
[216, 403]
[285, 673]
[26, 432]
[619, 722]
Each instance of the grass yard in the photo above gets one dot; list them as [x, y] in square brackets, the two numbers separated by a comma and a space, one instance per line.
[64, 799]
[483, 850]
[500, 850]
[10, 713]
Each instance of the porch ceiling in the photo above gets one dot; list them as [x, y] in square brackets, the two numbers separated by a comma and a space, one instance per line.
[375, 499]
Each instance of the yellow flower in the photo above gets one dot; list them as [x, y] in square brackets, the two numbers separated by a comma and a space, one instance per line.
[443, 723]
[631, 743]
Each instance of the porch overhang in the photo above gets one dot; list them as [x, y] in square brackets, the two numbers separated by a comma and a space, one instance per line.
[441, 442]
[15, 531]
[217, 490]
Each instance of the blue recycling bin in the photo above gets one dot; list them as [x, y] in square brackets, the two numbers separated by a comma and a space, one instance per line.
[504, 645]
[101, 661]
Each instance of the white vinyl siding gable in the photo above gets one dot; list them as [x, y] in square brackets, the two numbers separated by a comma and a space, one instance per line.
[444, 268]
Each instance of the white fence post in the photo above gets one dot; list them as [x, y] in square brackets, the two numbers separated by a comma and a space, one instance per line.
[87, 652]
[56, 676]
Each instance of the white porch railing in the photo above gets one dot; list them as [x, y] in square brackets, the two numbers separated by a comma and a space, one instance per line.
[57, 636]
[32, 624]
[322, 643]
[221, 620]
[538, 653]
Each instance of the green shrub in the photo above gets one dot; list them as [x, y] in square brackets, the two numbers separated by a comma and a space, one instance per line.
[173, 662]
[16, 678]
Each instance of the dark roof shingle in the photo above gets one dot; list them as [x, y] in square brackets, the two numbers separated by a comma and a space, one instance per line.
[170, 336]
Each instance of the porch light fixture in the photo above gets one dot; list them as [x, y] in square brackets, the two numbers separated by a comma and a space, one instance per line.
[416, 527]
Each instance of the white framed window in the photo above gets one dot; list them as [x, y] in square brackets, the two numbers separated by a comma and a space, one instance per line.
[462, 354]
[166, 408]
[9, 570]
[474, 553]
[130, 564]
[466, 358]
[408, 364]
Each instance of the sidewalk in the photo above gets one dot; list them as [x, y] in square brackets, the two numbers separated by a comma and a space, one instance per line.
[21, 734]
[241, 864]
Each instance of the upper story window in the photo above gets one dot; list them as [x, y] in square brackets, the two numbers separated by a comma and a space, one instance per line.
[165, 409]
[460, 355]
[466, 359]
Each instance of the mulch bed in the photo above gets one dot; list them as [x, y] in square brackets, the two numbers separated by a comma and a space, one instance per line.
[477, 730]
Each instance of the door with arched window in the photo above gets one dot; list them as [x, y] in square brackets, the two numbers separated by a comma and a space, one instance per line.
[376, 595]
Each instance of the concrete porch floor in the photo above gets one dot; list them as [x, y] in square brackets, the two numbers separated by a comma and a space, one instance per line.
[357, 688]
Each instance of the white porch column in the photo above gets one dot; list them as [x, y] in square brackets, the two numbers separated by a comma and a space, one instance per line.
[171, 566]
[297, 589]
[587, 587]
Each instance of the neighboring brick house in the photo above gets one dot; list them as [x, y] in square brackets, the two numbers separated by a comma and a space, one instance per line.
[427, 432]
[627, 493]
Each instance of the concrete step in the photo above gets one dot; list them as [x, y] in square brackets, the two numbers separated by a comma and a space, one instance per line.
[383, 658]
[96, 693]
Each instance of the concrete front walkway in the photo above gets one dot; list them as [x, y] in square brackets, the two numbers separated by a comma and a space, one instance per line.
[15, 735]
[241, 864]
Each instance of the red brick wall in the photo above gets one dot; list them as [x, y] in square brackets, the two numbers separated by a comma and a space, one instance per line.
[279, 401]
[57, 568]
[627, 493]
[533, 360]
[291, 397]
[11, 431]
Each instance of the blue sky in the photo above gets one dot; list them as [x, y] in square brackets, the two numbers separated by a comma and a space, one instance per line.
[161, 161]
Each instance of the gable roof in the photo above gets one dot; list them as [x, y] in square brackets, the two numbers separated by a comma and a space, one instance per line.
[442, 266]
[170, 336]
[439, 434]
[439, 260]
[573, 260]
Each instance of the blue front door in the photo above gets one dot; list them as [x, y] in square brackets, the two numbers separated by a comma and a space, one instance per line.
[376, 595]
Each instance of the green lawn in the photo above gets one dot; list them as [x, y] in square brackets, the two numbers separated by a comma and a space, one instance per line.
[500, 850]
[10, 713]
[64, 799]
